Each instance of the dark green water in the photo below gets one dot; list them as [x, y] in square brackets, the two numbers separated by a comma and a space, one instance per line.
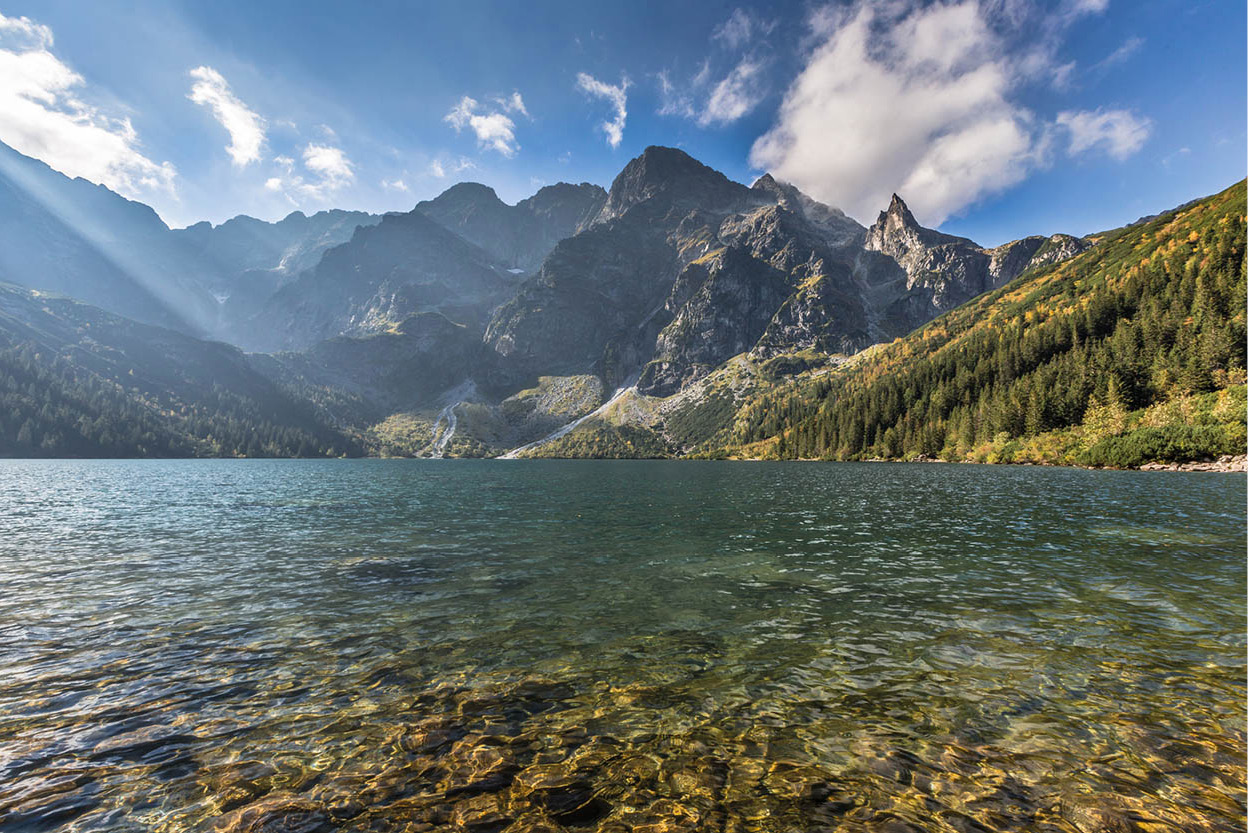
[632, 645]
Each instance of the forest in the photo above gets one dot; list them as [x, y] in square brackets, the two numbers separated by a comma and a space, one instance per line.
[1131, 352]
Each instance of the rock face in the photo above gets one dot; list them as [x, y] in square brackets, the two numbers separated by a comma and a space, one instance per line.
[667, 178]
[409, 365]
[404, 265]
[519, 236]
[944, 271]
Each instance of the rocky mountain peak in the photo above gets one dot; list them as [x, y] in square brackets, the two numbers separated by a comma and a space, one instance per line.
[898, 215]
[897, 233]
[837, 227]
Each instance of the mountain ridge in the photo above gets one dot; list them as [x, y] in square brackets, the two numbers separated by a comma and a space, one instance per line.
[680, 290]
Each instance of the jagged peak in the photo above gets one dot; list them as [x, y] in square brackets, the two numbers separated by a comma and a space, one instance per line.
[897, 208]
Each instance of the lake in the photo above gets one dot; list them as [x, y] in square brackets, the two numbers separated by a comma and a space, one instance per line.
[403, 644]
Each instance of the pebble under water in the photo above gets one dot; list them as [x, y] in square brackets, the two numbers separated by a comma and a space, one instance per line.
[488, 645]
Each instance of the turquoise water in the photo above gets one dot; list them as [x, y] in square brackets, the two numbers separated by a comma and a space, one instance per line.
[619, 645]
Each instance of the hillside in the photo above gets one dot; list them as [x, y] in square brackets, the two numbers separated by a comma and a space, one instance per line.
[1131, 352]
[76, 381]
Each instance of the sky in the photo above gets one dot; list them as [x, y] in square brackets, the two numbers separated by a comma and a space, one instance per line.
[993, 119]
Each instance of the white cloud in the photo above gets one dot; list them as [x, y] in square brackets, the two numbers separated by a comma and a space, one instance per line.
[917, 100]
[395, 185]
[328, 169]
[245, 126]
[330, 164]
[1119, 133]
[513, 104]
[1071, 9]
[740, 27]
[442, 166]
[1129, 47]
[736, 95]
[42, 115]
[494, 130]
[616, 95]
[674, 102]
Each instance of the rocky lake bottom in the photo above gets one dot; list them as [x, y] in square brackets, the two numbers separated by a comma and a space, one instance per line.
[583, 645]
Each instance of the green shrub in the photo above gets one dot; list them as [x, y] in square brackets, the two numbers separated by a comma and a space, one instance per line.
[1171, 443]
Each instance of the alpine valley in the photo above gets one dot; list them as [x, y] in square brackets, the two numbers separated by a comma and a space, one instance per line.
[676, 314]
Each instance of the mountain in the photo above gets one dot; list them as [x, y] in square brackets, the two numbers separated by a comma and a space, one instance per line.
[77, 381]
[683, 269]
[251, 259]
[943, 271]
[677, 313]
[518, 236]
[459, 254]
[1131, 352]
[73, 237]
[404, 265]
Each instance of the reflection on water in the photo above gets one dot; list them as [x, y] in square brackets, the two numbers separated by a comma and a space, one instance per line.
[636, 645]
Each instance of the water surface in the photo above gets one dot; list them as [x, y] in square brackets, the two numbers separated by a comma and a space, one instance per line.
[415, 645]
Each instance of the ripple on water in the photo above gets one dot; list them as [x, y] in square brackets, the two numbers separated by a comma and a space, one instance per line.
[282, 645]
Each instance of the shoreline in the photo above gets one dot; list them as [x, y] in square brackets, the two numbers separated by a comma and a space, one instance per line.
[1226, 463]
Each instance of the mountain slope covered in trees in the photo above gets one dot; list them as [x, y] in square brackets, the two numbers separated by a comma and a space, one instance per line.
[76, 381]
[1131, 352]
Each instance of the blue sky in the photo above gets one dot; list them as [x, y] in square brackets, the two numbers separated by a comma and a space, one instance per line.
[992, 118]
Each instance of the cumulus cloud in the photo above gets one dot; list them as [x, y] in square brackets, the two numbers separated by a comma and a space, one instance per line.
[43, 115]
[329, 164]
[396, 184]
[1119, 133]
[921, 100]
[616, 95]
[736, 95]
[740, 28]
[494, 129]
[245, 126]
